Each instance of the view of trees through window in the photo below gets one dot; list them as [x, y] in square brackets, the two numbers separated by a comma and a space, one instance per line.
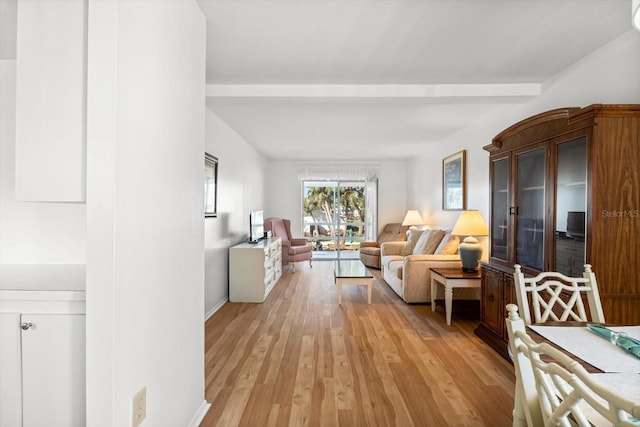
[333, 214]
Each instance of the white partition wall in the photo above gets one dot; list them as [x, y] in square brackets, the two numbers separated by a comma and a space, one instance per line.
[145, 216]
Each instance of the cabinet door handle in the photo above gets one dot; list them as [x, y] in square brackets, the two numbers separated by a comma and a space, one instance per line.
[513, 210]
[26, 326]
[490, 298]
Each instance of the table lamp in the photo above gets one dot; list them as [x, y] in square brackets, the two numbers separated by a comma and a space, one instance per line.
[412, 218]
[470, 223]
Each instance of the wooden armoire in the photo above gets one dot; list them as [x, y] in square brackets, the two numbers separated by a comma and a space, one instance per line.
[564, 192]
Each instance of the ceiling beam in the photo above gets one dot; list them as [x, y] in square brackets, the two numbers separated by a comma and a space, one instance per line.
[375, 91]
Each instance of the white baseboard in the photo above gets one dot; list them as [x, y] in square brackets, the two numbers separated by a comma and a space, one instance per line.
[214, 309]
[199, 416]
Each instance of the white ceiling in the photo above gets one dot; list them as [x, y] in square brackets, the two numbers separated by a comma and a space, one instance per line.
[376, 79]
[380, 79]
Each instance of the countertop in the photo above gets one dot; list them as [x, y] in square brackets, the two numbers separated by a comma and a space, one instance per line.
[24, 287]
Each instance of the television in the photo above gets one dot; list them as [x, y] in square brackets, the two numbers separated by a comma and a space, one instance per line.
[256, 226]
[575, 225]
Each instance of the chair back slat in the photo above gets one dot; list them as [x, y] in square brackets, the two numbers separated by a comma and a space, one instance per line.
[557, 297]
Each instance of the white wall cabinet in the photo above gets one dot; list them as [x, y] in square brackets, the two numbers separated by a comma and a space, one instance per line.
[50, 100]
[42, 356]
[254, 269]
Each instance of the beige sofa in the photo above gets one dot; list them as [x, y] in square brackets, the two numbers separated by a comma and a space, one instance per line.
[405, 265]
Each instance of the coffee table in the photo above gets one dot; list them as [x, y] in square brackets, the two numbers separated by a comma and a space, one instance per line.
[352, 272]
[451, 278]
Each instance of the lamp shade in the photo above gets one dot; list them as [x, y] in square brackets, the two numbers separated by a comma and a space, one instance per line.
[413, 217]
[635, 14]
[470, 223]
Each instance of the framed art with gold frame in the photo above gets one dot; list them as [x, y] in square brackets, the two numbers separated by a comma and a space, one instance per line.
[454, 182]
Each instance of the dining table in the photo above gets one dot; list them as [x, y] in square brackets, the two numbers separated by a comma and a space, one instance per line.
[610, 365]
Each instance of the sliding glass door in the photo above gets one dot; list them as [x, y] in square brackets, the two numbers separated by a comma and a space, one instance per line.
[334, 217]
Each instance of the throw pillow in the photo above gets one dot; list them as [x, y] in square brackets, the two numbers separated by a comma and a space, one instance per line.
[448, 245]
[412, 239]
[428, 242]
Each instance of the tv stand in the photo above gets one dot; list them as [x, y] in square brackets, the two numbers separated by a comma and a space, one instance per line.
[254, 269]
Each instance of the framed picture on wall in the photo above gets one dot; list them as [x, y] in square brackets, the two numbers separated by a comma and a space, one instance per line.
[210, 185]
[454, 182]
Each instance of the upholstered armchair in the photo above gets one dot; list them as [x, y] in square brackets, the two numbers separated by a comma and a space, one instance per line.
[370, 251]
[293, 249]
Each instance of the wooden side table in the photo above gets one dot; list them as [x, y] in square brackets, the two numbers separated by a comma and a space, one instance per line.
[451, 278]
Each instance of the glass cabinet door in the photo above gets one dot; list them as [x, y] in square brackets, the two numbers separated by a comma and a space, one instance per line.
[571, 207]
[529, 210]
[500, 209]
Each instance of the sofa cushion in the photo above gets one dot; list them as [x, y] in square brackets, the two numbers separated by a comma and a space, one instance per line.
[370, 257]
[428, 242]
[395, 268]
[412, 239]
[386, 261]
[370, 250]
[448, 245]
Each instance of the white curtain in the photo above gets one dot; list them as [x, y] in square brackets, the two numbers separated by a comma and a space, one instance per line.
[338, 172]
[371, 209]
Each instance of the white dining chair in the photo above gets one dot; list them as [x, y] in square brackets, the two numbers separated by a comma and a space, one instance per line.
[555, 296]
[559, 391]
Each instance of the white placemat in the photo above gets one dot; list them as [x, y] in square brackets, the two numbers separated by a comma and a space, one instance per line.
[626, 385]
[592, 348]
[623, 384]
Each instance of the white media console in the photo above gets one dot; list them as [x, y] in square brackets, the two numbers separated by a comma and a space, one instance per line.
[254, 269]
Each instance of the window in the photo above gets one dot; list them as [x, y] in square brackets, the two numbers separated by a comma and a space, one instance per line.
[334, 215]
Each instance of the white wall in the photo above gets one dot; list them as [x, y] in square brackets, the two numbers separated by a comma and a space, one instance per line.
[284, 194]
[608, 75]
[241, 188]
[32, 232]
[145, 228]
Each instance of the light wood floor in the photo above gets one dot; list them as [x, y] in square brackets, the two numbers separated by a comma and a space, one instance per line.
[300, 359]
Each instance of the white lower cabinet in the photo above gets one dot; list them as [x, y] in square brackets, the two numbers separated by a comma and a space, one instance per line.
[53, 370]
[42, 348]
[50, 355]
[10, 370]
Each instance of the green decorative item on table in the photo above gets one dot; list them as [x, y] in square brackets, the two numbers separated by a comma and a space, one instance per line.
[628, 343]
